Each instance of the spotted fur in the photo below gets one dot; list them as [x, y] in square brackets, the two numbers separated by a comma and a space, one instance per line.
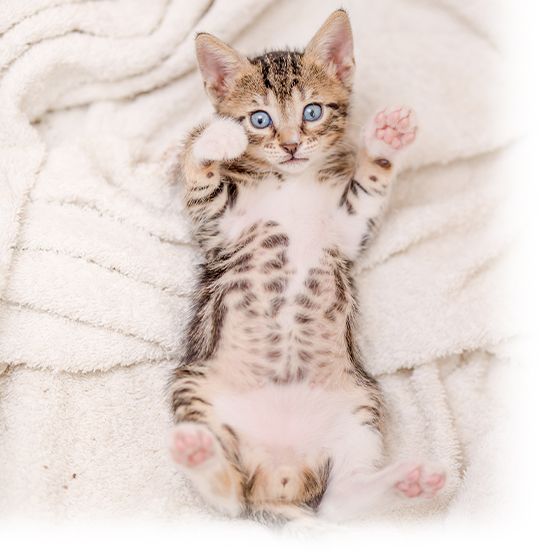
[275, 310]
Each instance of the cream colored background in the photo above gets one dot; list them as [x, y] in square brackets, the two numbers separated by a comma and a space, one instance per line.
[96, 261]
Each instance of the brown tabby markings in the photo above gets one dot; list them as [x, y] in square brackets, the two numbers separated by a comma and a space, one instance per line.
[245, 281]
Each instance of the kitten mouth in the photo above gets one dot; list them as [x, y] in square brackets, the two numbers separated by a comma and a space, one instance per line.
[293, 160]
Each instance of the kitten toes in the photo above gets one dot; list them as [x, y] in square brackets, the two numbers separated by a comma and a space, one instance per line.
[223, 139]
[192, 444]
[420, 480]
[390, 131]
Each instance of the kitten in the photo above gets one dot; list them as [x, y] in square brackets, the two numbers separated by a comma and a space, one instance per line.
[274, 409]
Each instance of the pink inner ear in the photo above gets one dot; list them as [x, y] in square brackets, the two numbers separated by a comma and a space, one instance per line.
[341, 53]
[337, 48]
[217, 66]
[344, 68]
[214, 70]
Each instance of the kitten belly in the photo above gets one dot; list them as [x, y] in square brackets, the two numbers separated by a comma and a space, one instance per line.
[284, 336]
[288, 320]
[300, 417]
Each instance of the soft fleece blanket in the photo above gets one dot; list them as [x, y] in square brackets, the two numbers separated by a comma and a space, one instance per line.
[96, 260]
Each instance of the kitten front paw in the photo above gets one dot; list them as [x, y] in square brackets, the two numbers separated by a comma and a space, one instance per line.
[390, 131]
[420, 480]
[192, 444]
[223, 139]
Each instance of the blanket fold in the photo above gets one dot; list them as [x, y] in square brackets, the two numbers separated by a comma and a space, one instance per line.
[97, 262]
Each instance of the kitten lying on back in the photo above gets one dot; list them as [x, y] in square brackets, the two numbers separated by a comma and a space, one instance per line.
[274, 409]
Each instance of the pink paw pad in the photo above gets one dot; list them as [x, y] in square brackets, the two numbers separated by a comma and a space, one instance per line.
[395, 127]
[436, 482]
[421, 481]
[191, 445]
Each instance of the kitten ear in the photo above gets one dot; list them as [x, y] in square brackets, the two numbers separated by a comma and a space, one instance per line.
[333, 46]
[219, 65]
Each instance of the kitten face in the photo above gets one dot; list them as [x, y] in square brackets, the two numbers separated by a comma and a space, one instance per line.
[293, 105]
[303, 107]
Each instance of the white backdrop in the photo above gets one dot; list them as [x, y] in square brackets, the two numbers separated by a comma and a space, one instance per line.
[96, 261]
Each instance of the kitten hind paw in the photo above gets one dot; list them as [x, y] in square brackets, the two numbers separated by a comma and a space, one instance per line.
[420, 480]
[192, 444]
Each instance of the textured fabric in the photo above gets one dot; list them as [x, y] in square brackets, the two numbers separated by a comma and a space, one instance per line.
[96, 260]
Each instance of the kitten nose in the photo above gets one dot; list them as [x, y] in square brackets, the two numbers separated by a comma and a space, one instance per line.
[284, 481]
[290, 148]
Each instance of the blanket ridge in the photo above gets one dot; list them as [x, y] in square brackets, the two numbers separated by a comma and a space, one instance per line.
[97, 263]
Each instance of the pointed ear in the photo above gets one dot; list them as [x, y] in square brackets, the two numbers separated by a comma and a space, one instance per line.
[333, 46]
[219, 65]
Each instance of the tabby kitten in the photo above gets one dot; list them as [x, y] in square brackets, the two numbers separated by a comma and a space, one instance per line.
[274, 410]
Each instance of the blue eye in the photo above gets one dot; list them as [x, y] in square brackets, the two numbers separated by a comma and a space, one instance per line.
[312, 112]
[261, 119]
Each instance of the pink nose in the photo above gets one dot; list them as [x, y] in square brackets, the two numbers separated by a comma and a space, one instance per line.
[290, 148]
[284, 481]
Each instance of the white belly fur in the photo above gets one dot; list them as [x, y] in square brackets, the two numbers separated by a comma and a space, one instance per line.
[299, 416]
[304, 208]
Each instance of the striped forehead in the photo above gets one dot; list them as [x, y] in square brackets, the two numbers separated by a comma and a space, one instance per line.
[281, 72]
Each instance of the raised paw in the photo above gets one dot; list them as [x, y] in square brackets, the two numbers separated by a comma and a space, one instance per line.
[391, 129]
[192, 445]
[420, 480]
[223, 139]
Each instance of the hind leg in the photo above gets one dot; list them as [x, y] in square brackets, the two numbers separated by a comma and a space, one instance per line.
[358, 491]
[196, 448]
[200, 444]
[357, 485]
[354, 460]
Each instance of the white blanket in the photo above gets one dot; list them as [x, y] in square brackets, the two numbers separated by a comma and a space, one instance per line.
[96, 261]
